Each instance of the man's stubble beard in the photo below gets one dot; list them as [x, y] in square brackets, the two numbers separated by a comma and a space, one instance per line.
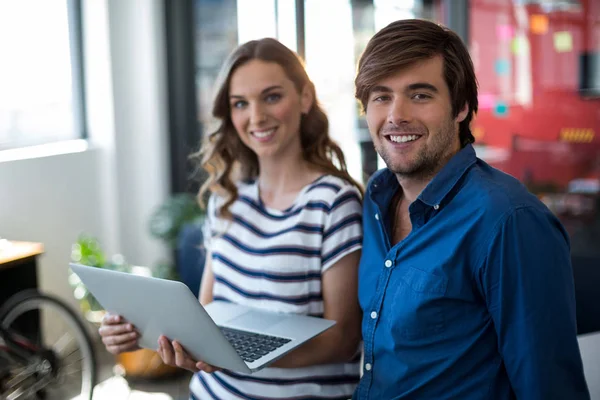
[430, 158]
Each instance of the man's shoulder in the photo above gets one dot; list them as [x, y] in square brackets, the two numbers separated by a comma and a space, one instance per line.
[497, 192]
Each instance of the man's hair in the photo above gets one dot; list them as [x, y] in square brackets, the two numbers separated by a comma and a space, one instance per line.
[406, 42]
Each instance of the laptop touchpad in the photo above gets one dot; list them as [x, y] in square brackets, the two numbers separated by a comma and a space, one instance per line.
[256, 320]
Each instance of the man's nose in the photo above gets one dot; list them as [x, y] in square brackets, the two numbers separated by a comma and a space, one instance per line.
[399, 112]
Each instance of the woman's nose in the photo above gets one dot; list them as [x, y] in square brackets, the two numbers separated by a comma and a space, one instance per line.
[257, 115]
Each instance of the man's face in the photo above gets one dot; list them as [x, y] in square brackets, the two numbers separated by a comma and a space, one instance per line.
[409, 115]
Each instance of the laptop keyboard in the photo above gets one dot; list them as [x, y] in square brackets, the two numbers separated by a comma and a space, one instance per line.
[251, 346]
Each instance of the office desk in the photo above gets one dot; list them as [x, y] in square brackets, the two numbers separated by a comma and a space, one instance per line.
[18, 267]
[18, 271]
[13, 253]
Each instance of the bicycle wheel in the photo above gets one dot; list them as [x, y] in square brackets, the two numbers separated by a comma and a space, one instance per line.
[64, 365]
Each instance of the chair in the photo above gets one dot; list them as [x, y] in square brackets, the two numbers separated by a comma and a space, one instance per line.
[191, 255]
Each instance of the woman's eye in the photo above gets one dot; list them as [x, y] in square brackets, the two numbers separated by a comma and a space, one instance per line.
[273, 97]
[239, 104]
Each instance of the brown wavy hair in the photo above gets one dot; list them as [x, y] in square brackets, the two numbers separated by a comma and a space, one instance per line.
[406, 42]
[228, 160]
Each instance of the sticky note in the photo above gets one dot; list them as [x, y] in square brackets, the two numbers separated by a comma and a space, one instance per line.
[563, 41]
[501, 109]
[486, 101]
[519, 45]
[504, 32]
[538, 24]
[502, 67]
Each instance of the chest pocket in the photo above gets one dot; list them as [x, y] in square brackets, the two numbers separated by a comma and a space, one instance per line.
[416, 303]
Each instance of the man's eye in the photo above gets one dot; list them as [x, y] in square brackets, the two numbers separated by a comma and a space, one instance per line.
[421, 96]
[379, 99]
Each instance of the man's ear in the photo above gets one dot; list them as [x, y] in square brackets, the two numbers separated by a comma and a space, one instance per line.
[463, 113]
[307, 99]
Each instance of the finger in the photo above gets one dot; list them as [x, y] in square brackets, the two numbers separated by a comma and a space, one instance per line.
[160, 351]
[182, 359]
[114, 340]
[110, 319]
[124, 347]
[168, 355]
[209, 369]
[111, 330]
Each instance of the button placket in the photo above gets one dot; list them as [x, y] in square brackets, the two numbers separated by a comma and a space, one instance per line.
[372, 324]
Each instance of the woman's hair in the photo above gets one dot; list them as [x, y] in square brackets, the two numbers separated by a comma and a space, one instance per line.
[227, 159]
[402, 44]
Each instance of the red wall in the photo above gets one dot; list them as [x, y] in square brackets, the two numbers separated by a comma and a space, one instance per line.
[531, 130]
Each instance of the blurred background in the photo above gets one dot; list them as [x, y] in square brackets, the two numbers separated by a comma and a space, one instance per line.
[102, 102]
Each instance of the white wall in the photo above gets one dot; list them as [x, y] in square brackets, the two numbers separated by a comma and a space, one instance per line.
[50, 200]
[140, 114]
[111, 189]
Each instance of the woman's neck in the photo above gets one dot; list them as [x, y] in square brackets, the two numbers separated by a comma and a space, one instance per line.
[280, 182]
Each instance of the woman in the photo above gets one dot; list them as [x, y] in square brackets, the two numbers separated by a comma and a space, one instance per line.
[283, 231]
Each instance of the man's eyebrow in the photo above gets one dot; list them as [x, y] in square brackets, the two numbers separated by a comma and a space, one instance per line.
[265, 90]
[422, 85]
[381, 89]
[409, 88]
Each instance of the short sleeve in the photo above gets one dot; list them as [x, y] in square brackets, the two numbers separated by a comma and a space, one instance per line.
[209, 221]
[342, 230]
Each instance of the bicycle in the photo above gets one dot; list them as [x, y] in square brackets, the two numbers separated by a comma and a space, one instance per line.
[44, 364]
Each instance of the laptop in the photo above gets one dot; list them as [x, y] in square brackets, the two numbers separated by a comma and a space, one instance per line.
[223, 334]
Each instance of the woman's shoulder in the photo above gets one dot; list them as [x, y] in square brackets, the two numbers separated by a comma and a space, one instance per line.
[245, 190]
[330, 188]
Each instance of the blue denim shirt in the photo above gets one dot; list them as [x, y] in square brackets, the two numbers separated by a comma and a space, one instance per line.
[477, 302]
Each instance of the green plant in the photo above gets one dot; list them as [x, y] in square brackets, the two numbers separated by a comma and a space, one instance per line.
[88, 251]
[166, 222]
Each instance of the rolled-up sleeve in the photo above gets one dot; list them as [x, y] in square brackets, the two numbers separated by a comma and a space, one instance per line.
[527, 283]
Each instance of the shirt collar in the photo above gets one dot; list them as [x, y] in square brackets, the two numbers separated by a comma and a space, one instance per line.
[448, 176]
[440, 185]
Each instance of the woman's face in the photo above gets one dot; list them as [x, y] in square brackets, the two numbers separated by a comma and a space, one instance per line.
[266, 109]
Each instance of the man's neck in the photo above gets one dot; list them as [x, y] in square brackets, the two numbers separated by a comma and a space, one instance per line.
[412, 187]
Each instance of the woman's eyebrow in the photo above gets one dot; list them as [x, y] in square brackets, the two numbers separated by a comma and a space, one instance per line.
[265, 90]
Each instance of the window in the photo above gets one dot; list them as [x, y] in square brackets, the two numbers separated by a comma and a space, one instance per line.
[41, 93]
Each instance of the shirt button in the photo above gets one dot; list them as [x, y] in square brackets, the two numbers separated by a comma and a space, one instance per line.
[377, 217]
[388, 263]
[436, 207]
[373, 315]
[368, 366]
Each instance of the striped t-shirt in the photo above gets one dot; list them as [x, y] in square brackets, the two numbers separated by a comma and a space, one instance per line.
[273, 259]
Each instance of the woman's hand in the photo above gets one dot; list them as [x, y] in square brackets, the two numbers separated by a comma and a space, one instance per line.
[118, 335]
[173, 354]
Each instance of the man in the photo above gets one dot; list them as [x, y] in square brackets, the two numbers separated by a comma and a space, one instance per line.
[465, 277]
